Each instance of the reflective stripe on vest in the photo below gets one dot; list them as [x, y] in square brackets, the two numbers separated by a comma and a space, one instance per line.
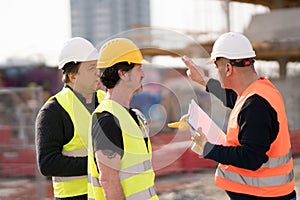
[276, 162]
[135, 169]
[257, 182]
[126, 173]
[145, 194]
[94, 181]
[265, 181]
[58, 179]
[76, 153]
[275, 177]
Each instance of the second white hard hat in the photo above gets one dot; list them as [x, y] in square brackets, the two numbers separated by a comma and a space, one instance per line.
[77, 49]
[232, 45]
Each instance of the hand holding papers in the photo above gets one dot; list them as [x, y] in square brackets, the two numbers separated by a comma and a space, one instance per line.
[199, 140]
[199, 119]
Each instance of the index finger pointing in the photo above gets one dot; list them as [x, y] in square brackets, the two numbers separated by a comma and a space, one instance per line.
[188, 62]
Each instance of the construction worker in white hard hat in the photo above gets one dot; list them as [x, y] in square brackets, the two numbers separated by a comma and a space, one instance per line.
[62, 123]
[119, 160]
[256, 161]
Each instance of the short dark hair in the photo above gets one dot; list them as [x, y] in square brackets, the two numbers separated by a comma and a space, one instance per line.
[69, 68]
[110, 76]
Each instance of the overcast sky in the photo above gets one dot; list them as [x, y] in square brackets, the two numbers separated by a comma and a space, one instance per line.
[37, 28]
[33, 27]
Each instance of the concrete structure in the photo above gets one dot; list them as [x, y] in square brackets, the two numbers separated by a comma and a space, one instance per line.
[97, 20]
[275, 36]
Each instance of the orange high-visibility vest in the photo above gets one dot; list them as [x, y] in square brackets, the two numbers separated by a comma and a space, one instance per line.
[275, 177]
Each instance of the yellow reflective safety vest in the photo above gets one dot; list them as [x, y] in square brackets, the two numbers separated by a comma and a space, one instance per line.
[275, 177]
[77, 147]
[136, 173]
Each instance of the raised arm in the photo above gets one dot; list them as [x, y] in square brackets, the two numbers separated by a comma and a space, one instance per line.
[194, 72]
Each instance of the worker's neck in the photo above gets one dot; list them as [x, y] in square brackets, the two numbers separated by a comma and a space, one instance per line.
[87, 95]
[243, 81]
[120, 95]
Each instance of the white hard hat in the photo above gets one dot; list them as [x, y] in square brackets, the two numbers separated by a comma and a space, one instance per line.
[77, 49]
[232, 45]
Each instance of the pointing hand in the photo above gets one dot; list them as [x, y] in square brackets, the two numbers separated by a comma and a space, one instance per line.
[194, 72]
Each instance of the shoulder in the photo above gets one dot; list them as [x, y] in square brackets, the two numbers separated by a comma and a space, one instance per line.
[51, 105]
[52, 114]
[105, 118]
[257, 102]
[52, 108]
[258, 108]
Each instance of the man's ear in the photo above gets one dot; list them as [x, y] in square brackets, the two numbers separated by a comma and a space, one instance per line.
[72, 76]
[122, 74]
[229, 69]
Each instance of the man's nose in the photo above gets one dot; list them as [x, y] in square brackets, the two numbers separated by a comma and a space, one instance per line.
[143, 73]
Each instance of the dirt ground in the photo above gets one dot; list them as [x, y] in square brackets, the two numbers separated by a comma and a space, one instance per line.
[198, 185]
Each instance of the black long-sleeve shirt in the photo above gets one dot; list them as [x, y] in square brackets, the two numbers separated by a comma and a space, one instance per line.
[54, 129]
[259, 128]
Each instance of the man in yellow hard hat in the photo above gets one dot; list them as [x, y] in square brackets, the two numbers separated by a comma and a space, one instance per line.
[119, 160]
[256, 161]
[62, 123]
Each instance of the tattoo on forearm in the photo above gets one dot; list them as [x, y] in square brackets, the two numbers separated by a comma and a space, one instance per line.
[109, 153]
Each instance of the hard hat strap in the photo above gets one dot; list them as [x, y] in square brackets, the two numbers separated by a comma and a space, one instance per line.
[242, 63]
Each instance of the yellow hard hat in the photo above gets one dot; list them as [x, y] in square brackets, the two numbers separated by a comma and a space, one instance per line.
[119, 50]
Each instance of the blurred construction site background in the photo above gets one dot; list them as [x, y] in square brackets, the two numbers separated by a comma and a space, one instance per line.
[26, 82]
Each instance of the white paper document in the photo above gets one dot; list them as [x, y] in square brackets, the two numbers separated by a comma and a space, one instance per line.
[198, 118]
